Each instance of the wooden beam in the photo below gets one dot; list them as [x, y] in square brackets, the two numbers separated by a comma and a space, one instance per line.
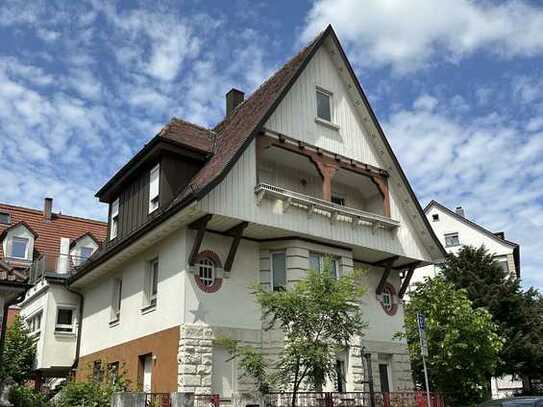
[382, 185]
[237, 233]
[388, 267]
[407, 279]
[200, 226]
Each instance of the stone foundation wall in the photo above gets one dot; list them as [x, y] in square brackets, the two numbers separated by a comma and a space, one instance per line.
[195, 359]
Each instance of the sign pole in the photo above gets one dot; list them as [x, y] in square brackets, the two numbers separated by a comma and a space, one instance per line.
[421, 322]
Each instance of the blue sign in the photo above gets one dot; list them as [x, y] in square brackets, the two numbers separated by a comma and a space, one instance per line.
[421, 320]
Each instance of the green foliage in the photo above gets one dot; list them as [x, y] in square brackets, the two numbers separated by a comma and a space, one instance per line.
[96, 391]
[22, 396]
[319, 316]
[463, 342]
[19, 353]
[518, 314]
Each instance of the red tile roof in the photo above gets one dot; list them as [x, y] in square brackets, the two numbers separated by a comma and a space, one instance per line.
[188, 134]
[50, 232]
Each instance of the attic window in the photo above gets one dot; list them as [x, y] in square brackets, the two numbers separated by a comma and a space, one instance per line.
[324, 105]
[435, 217]
[5, 219]
[154, 178]
[114, 219]
[19, 247]
[451, 240]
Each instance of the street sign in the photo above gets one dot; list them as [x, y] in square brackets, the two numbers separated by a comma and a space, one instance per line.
[421, 321]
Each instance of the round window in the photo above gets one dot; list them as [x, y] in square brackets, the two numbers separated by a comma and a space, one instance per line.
[205, 274]
[388, 299]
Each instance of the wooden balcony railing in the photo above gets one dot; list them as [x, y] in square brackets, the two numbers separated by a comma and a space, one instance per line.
[324, 208]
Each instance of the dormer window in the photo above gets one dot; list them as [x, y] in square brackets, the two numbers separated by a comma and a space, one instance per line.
[154, 180]
[435, 217]
[5, 219]
[114, 219]
[19, 248]
[324, 105]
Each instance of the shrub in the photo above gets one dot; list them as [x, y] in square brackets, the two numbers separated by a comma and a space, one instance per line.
[22, 396]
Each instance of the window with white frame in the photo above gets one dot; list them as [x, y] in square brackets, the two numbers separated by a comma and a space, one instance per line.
[279, 271]
[502, 262]
[324, 105]
[317, 262]
[19, 247]
[452, 239]
[151, 283]
[114, 219]
[116, 300]
[34, 323]
[387, 299]
[154, 181]
[65, 320]
[206, 271]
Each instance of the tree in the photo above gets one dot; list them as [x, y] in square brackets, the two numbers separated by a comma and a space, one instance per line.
[19, 353]
[319, 316]
[463, 342]
[517, 313]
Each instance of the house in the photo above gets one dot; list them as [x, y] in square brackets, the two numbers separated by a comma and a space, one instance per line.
[41, 249]
[455, 230]
[298, 171]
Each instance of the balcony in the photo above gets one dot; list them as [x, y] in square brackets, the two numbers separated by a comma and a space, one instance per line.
[61, 266]
[321, 207]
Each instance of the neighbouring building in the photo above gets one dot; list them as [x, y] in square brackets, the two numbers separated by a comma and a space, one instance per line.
[455, 230]
[41, 249]
[298, 171]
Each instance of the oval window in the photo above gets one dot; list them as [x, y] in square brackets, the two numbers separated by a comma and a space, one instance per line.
[206, 277]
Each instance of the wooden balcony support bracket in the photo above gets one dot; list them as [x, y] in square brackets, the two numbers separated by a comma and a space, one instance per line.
[200, 225]
[382, 184]
[387, 264]
[286, 204]
[407, 279]
[236, 232]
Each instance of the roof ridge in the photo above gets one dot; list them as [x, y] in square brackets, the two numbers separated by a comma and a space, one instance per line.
[57, 214]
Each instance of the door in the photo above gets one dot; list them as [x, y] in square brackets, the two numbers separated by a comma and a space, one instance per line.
[146, 369]
[383, 375]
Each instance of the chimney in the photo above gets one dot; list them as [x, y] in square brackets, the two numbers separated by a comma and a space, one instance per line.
[233, 98]
[47, 208]
[460, 211]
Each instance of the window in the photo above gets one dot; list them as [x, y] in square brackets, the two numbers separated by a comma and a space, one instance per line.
[279, 271]
[451, 239]
[388, 299]
[85, 252]
[19, 247]
[340, 375]
[5, 219]
[435, 217]
[154, 180]
[503, 265]
[151, 283]
[324, 102]
[113, 369]
[338, 200]
[206, 271]
[65, 322]
[117, 298]
[114, 219]
[97, 373]
[34, 323]
[318, 262]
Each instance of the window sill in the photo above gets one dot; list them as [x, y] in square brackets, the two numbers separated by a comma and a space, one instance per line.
[148, 309]
[326, 123]
[68, 334]
[114, 322]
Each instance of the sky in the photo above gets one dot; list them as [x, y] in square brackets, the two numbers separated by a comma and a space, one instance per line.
[458, 89]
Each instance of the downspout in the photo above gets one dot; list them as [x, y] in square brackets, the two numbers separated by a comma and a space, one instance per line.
[79, 327]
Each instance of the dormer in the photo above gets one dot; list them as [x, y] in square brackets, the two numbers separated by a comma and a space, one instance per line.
[18, 243]
[149, 182]
[82, 248]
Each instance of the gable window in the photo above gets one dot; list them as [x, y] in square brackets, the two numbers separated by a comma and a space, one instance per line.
[5, 219]
[85, 252]
[503, 264]
[116, 300]
[151, 283]
[279, 271]
[114, 219]
[435, 217]
[451, 239]
[324, 105]
[318, 262]
[65, 320]
[19, 246]
[34, 324]
[154, 180]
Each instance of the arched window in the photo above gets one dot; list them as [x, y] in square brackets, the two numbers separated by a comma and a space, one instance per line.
[206, 275]
[388, 299]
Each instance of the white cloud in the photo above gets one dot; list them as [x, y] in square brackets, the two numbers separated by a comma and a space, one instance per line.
[489, 165]
[410, 34]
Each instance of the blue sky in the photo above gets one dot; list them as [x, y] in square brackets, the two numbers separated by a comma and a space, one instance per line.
[459, 91]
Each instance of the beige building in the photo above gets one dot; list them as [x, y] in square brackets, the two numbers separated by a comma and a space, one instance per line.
[298, 171]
